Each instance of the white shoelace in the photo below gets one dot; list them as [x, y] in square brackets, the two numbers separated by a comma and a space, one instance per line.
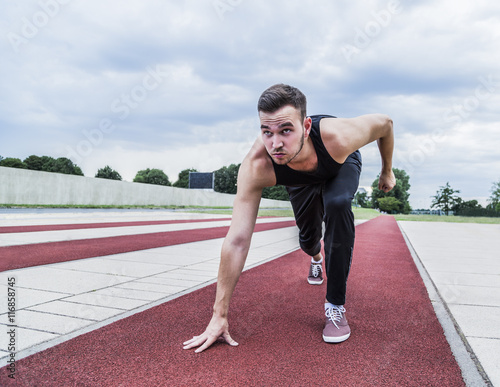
[316, 269]
[335, 314]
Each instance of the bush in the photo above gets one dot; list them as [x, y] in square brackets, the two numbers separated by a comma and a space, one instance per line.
[399, 192]
[183, 178]
[278, 192]
[108, 173]
[389, 204]
[225, 179]
[152, 176]
[50, 164]
[12, 162]
[477, 212]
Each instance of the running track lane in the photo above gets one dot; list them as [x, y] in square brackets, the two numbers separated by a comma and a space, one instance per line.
[20, 256]
[277, 318]
[78, 226]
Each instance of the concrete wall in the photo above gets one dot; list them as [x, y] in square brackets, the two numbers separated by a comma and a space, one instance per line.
[21, 186]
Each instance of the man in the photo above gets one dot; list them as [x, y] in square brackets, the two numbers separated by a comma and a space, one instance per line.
[317, 159]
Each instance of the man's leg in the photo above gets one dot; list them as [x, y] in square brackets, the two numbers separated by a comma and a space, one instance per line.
[307, 204]
[338, 194]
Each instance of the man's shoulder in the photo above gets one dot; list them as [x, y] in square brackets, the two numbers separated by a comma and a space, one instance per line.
[323, 122]
[258, 167]
[327, 125]
[320, 119]
[321, 116]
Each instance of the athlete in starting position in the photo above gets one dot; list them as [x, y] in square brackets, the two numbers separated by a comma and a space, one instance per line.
[318, 161]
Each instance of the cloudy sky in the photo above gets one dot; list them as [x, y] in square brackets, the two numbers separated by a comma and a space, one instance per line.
[174, 84]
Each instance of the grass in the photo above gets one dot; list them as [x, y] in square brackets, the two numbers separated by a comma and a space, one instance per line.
[359, 213]
[451, 219]
[208, 210]
[92, 206]
[262, 212]
[364, 213]
[369, 213]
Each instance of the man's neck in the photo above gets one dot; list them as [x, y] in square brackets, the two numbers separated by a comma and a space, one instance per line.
[307, 159]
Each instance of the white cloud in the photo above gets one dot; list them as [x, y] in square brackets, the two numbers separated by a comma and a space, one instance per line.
[421, 64]
[172, 161]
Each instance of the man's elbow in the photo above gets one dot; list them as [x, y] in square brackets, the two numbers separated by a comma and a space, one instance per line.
[385, 126]
[388, 123]
[236, 244]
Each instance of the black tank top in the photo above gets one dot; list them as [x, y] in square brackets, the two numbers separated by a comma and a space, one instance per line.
[327, 166]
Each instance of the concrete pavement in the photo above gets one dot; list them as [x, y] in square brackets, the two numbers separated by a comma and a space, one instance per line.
[462, 262]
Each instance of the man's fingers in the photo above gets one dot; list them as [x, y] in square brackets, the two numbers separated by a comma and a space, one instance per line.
[205, 341]
[191, 340]
[208, 342]
[196, 341]
[229, 340]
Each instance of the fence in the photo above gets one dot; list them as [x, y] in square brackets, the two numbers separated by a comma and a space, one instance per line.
[21, 186]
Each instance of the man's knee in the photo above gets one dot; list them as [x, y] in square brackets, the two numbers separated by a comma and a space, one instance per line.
[338, 203]
[310, 247]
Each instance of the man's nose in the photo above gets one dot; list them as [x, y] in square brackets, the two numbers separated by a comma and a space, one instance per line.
[277, 143]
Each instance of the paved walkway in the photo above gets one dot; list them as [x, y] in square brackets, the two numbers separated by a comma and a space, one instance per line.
[55, 303]
[463, 263]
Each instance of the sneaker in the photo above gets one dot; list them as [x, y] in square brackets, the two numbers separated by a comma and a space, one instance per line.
[336, 327]
[315, 276]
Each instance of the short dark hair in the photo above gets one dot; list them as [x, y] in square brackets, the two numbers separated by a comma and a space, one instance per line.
[279, 95]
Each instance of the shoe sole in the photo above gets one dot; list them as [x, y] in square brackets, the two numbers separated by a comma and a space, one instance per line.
[339, 339]
[314, 282]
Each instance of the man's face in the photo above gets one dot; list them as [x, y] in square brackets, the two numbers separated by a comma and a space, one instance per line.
[282, 133]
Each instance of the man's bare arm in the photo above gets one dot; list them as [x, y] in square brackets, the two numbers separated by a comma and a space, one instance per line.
[234, 253]
[387, 180]
[342, 136]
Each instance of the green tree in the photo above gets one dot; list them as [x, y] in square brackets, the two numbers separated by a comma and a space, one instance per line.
[12, 162]
[494, 199]
[225, 179]
[400, 192]
[152, 176]
[277, 192]
[183, 178]
[361, 199]
[108, 173]
[34, 162]
[445, 198]
[389, 204]
[462, 205]
[48, 164]
[43, 163]
[66, 166]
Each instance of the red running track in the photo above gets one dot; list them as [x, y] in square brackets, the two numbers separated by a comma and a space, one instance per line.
[277, 318]
[20, 256]
[78, 226]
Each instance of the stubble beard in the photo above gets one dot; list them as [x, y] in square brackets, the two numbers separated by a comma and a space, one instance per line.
[285, 162]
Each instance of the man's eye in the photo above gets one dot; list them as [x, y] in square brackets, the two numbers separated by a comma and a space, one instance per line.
[287, 130]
